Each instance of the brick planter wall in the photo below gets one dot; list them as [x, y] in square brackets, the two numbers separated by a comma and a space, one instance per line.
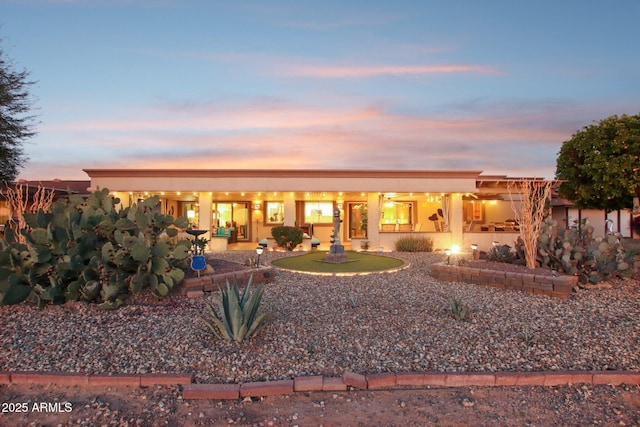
[196, 286]
[553, 286]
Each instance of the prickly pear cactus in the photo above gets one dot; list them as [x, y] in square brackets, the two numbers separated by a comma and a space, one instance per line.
[89, 250]
[575, 251]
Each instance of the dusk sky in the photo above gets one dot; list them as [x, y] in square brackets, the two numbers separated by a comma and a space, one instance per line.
[495, 86]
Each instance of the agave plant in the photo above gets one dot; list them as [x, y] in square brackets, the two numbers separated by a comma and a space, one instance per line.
[238, 313]
[459, 310]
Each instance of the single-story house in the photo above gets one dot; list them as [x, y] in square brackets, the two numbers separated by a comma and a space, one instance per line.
[451, 207]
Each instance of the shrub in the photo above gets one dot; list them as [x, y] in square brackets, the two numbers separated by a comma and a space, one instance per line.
[414, 244]
[238, 314]
[501, 253]
[287, 237]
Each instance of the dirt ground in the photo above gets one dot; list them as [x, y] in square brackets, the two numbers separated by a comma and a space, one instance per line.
[576, 405]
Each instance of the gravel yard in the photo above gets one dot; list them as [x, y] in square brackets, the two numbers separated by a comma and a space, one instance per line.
[326, 325]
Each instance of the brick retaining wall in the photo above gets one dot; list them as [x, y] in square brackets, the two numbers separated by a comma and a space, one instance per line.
[553, 286]
[194, 287]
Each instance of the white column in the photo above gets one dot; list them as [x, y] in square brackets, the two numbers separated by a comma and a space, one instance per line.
[204, 220]
[456, 219]
[289, 209]
[373, 219]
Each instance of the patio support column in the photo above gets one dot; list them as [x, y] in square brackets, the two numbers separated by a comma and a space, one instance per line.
[124, 197]
[289, 209]
[373, 219]
[456, 220]
[204, 221]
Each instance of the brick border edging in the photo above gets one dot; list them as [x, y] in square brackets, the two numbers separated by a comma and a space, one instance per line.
[195, 287]
[78, 378]
[348, 381]
[405, 380]
[559, 286]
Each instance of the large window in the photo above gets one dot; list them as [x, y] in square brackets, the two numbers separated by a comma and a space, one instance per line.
[235, 215]
[318, 212]
[397, 212]
[275, 213]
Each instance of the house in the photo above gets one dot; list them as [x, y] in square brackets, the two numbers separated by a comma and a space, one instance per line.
[29, 192]
[377, 206]
[237, 206]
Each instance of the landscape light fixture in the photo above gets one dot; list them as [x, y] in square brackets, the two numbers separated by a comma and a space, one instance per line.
[474, 250]
[448, 254]
[259, 251]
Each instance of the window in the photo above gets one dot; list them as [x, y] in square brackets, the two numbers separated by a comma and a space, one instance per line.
[397, 212]
[234, 215]
[318, 212]
[275, 213]
[192, 211]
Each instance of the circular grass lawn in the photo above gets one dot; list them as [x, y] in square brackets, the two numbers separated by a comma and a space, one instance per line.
[357, 262]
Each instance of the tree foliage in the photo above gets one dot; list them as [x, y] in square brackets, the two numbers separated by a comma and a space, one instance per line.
[16, 124]
[601, 164]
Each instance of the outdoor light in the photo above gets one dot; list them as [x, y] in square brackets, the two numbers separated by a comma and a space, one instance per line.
[455, 249]
[474, 249]
[448, 254]
[259, 250]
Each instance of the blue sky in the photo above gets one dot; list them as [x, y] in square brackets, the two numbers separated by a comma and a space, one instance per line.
[495, 86]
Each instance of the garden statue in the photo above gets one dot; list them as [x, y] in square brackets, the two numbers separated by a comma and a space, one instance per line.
[336, 227]
[336, 251]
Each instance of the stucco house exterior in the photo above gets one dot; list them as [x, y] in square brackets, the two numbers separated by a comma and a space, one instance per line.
[452, 207]
[238, 207]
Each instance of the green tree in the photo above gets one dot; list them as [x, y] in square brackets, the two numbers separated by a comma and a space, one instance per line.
[16, 124]
[601, 164]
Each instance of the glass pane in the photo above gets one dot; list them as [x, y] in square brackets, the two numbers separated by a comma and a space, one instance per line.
[275, 212]
[318, 212]
[357, 220]
[241, 219]
[397, 212]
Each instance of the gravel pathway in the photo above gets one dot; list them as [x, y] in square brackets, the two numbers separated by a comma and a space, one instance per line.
[326, 325]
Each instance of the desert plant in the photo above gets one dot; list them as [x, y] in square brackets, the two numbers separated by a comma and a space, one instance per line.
[414, 244]
[354, 300]
[501, 253]
[458, 309]
[87, 249]
[529, 338]
[287, 236]
[534, 208]
[575, 251]
[236, 317]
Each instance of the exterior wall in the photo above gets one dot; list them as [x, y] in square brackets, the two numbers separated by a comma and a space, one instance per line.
[425, 190]
[284, 180]
[621, 220]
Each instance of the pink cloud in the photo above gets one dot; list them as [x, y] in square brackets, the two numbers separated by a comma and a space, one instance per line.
[385, 70]
[268, 133]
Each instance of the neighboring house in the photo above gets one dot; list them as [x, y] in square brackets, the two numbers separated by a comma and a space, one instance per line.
[620, 221]
[60, 188]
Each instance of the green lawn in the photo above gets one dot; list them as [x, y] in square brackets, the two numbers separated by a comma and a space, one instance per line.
[358, 262]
